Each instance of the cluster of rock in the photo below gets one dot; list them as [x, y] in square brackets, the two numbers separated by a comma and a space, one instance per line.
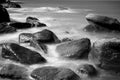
[104, 54]
[8, 26]
[9, 4]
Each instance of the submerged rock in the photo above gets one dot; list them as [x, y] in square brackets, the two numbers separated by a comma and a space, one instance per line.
[103, 21]
[13, 72]
[4, 28]
[105, 54]
[21, 54]
[4, 16]
[53, 73]
[75, 49]
[20, 25]
[46, 36]
[35, 22]
[87, 69]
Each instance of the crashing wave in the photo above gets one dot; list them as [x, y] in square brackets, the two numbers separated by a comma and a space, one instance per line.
[45, 9]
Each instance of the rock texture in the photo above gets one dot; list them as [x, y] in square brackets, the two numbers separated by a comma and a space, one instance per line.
[105, 54]
[35, 22]
[76, 49]
[21, 54]
[4, 16]
[46, 36]
[4, 28]
[53, 73]
[109, 23]
[87, 69]
[13, 72]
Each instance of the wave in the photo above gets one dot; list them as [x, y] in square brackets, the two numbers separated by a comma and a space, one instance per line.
[45, 9]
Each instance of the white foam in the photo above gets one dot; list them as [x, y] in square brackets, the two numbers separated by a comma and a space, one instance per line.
[45, 9]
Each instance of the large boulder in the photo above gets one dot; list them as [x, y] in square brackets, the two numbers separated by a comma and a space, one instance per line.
[35, 22]
[105, 54]
[53, 73]
[103, 21]
[46, 36]
[21, 54]
[4, 28]
[75, 49]
[13, 72]
[4, 16]
[20, 25]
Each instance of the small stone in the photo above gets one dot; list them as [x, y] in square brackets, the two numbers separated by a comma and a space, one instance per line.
[87, 69]
[75, 49]
[21, 54]
[53, 73]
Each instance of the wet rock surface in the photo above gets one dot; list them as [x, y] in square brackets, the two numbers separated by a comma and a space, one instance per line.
[105, 53]
[35, 22]
[76, 49]
[13, 72]
[104, 22]
[21, 54]
[53, 73]
[87, 69]
[46, 36]
[4, 28]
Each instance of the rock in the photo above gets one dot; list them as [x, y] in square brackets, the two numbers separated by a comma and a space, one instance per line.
[2, 1]
[103, 21]
[39, 46]
[35, 22]
[105, 54]
[46, 36]
[95, 28]
[4, 15]
[21, 54]
[53, 73]
[4, 28]
[25, 37]
[75, 49]
[20, 25]
[87, 69]
[13, 72]
[66, 39]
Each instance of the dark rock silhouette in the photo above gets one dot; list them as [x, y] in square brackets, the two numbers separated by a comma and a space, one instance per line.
[109, 23]
[20, 25]
[75, 49]
[2, 1]
[4, 28]
[4, 16]
[105, 54]
[53, 73]
[13, 72]
[21, 54]
[35, 22]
